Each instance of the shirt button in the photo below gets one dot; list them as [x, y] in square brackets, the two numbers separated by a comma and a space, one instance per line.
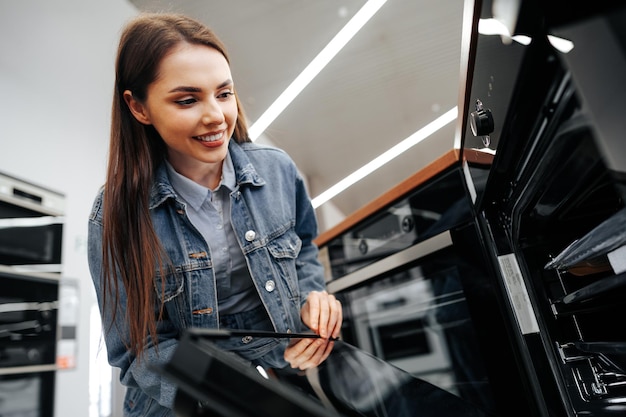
[270, 285]
[250, 235]
[246, 339]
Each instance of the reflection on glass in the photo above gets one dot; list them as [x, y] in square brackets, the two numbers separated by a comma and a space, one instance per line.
[418, 320]
[432, 209]
[360, 384]
[351, 382]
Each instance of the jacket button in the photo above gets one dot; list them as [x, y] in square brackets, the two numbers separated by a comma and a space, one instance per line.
[250, 235]
[246, 339]
[270, 285]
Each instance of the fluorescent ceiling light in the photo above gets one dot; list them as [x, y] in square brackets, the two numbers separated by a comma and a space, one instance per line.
[385, 157]
[319, 62]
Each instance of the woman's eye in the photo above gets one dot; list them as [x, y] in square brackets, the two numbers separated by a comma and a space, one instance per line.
[225, 94]
[186, 101]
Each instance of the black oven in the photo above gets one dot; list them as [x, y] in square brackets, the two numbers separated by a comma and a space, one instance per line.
[553, 214]
[416, 292]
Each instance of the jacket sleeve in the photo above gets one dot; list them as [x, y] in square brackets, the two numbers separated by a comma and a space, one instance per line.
[310, 270]
[134, 373]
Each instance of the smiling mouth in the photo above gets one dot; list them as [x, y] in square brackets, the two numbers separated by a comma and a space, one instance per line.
[210, 138]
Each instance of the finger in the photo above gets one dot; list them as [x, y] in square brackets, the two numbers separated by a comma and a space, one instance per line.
[313, 355]
[324, 315]
[300, 353]
[328, 348]
[338, 318]
[321, 354]
[295, 351]
[313, 305]
[330, 317]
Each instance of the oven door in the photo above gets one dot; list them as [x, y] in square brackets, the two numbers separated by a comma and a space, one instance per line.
[31, 226]
[430, 310]
[27, 395]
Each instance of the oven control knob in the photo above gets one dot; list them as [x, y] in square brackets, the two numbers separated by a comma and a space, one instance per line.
[407, 224]
[363, 248]
[481, 120]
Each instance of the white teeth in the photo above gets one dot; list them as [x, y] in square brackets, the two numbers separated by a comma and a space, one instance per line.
[210, 138]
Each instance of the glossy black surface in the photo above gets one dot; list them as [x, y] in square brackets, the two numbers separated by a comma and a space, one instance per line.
[28, 320]
[419, 319]
[27, 237]
[350, 382]
[434, 207]
[429, 305]
[553, 192]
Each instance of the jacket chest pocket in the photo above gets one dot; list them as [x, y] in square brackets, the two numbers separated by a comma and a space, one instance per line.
[169, 287]
[284, 251]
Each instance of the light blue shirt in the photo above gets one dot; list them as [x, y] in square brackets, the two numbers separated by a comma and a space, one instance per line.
[209, 212]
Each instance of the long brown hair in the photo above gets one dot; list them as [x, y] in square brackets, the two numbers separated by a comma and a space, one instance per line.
[131, 248]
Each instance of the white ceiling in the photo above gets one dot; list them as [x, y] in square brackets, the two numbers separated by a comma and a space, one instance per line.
[400, 72]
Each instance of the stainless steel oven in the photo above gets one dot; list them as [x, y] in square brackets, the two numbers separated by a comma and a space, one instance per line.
[31, 226]
[31, 237]
[28, 340]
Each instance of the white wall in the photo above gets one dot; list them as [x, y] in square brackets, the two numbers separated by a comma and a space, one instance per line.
[56, 78]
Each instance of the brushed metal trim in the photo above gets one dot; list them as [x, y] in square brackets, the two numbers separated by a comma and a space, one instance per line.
[419, 250]
[27, 369]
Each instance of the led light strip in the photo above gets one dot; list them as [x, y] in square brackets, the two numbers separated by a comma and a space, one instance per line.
[319, 62]
[386, 156]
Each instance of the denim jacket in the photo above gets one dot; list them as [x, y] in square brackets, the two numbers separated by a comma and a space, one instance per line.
[275, 225]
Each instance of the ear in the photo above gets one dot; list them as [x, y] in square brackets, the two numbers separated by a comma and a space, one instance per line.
[137, 108]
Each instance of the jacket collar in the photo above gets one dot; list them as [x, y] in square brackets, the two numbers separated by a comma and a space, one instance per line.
[245, 173]
[244, 170]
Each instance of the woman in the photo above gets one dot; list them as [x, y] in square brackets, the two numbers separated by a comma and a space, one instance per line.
[196, 226]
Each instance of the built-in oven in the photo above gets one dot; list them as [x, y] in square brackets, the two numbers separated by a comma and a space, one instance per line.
[553, 214]
[31, 226]
[26, 395]
[29, 304]
[28, 318]
[415, 287]
[31, 234]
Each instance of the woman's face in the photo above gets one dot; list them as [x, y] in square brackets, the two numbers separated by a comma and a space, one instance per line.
[193, 107]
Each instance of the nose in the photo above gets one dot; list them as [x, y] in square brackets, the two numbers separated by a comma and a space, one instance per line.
[212, 113]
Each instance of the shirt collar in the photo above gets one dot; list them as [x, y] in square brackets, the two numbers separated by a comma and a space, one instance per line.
[195, 194]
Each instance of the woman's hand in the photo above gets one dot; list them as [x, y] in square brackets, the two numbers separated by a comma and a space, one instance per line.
[308, 353]
[322, 313]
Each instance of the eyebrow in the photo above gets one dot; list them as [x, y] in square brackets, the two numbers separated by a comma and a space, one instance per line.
[188, 89]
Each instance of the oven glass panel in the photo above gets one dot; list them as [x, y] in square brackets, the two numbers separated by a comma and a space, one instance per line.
[28, 314]
[19, 395]
[418, 319]
[30, 238]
